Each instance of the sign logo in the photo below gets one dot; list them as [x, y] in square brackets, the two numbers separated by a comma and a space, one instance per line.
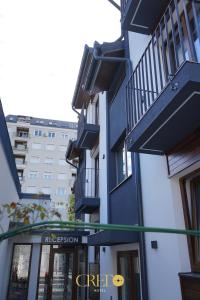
[118, 280]
[99, 281]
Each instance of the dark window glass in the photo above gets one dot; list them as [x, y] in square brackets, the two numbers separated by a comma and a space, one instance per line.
[128, 267]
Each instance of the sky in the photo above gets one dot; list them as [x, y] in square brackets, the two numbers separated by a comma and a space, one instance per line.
[41, 46]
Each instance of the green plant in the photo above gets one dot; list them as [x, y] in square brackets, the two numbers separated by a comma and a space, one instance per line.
[26, 213]
[71, 208]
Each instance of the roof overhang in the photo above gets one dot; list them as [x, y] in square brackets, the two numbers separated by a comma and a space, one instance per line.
[96, 75]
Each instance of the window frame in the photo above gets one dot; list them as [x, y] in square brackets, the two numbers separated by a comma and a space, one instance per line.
[11, 264]
[190, 221]
[130, 254]
[38, 131]
[122, 147]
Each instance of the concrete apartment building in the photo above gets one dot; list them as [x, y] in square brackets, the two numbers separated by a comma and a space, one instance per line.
[39, 147]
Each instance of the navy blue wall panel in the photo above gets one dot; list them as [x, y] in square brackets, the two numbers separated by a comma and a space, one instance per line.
[123, 204]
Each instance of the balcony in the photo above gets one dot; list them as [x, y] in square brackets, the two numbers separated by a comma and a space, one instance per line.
[22, 133]
[162, 95]
[142, 16]
[87, 132]
[72, 150]
[20, 147]
[87, 191]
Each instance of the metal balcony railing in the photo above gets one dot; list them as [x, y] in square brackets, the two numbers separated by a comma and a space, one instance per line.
[20, 148]
[81, 123]
[87, 184]
[84, 122]
[175, 40]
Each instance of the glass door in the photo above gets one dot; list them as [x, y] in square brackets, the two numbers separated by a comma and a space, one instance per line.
[128, 267]
[62, 275]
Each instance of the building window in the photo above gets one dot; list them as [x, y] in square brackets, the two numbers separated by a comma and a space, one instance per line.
[190, 189]
[22, 132]
[123, 163]
[61, 191]
[64, 135]
[51, 134]
[34, 160]
[48, 175]
[128, 267]
[36, 146]
[48, 161]
[33, 174]
[50, 147]
[38, 132]
[19, 274]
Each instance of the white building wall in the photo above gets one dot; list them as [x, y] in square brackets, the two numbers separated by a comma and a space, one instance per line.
[162, 207]
[137, 44]
[103, 188]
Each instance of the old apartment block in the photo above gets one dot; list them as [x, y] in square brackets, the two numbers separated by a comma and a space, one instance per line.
[39, 147]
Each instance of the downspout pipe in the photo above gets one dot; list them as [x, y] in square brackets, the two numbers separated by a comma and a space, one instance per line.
[73, 108]
[115, 4]
[71, 164]
[112, 59]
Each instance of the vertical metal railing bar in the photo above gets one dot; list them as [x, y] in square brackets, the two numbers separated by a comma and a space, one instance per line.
[131, 102]
[163, 54]
[140, 89]
[170, 70]
[173, 36]
[179, 29]
[137, 93]
[151, 75]
[159, 60]
[135, 97]
[147, 77]
[190, 39]
[144, 85]
[128, 95]
[154, 64]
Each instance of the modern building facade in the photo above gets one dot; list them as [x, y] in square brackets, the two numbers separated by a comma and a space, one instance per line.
[39, 147]
[137, 159]
[146, 144]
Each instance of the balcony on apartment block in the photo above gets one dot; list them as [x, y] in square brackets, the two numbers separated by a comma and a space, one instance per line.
[163, 92]
[142, 15]
[88, 131]
[86, 191]
[22, 133]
